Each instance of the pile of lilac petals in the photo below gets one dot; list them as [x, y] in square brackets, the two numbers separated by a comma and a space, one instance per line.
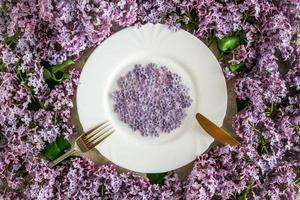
[151, 99]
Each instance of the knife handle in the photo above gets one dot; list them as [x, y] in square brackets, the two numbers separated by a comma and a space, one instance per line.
[216, 132]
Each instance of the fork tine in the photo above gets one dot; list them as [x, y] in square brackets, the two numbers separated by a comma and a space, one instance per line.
[96, 130]
[98, 134]
[100, 139]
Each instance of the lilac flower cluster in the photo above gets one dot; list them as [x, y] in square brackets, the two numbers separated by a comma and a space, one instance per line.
[173, 13]
[82, 180]
[269, 126]
[151, 99]
[37, 33]
[221, 173]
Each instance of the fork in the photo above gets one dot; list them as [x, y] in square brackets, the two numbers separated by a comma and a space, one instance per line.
[87, 141]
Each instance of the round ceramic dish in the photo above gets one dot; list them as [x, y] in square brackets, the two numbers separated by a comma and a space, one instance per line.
[183, 54]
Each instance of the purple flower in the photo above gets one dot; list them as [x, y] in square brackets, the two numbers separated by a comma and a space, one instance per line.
[51, 31]
[151, 99]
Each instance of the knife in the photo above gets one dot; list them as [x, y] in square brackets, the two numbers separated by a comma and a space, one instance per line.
[216, 132]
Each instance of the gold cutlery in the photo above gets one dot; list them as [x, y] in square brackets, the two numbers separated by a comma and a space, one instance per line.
[216, 132]
[86, 141]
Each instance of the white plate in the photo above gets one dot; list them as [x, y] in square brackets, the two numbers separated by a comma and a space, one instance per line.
[182, 53]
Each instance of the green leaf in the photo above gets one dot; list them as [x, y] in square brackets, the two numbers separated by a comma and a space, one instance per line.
[10, 40]
[47, 74]
[57, 148]
[56, 74]
[297, 181]
[51, 83]
[60, 76]
[237, 67]
[35, 105]
[229, 43]
[63, 143]
[52, 151]
[62, 66]
[56, 78]
[157, 178]
[242, 197]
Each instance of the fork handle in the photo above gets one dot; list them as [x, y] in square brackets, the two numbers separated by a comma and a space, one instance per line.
[62, 157]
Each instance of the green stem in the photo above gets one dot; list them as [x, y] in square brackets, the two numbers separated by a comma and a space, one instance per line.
[297, 181]
[55, 118]
[272, 107]
[62, 66]
[269, 113]
[245, 18]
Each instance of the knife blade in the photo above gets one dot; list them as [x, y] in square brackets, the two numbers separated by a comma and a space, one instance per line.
[216, 132]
